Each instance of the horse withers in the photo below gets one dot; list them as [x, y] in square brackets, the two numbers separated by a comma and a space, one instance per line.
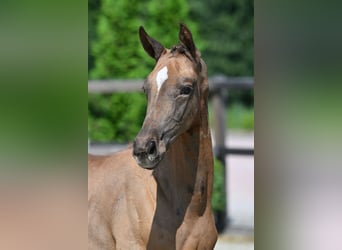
[157, 193]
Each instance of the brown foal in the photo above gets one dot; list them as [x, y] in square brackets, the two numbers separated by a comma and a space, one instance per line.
[157, 193]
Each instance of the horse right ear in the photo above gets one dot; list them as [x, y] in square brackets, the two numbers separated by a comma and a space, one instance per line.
[151, 46]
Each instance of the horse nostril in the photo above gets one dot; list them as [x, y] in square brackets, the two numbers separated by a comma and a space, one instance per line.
[151, 148]
[138, 151]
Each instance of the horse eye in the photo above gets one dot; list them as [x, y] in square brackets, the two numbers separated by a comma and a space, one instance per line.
[186, 90]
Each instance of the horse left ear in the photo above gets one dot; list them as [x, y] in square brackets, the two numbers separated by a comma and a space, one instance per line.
[151, 46]
[185, 37]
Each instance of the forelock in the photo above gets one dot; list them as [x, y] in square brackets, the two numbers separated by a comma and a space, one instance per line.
[181, 49]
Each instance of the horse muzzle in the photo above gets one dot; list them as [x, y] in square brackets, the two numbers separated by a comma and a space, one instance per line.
[147, 152]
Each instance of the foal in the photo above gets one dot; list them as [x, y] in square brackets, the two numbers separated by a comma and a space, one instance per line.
[157, 193]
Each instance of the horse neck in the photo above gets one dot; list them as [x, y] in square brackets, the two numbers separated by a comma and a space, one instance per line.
[186, 173]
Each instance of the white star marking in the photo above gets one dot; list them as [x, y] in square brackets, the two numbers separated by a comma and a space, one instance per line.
[161, 77]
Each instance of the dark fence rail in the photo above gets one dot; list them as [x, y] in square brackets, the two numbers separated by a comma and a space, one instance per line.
[216, 83]
[219, 87]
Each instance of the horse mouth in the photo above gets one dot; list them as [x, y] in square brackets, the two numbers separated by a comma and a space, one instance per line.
[148, 162]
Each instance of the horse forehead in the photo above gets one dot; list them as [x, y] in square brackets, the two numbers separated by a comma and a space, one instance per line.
[173, 68]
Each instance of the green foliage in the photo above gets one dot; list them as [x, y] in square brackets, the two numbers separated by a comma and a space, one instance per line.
[115, 117]
[116, 49]
[218, 197]
[226, 27]
[117, 52]
[164, 18]
[93, 12]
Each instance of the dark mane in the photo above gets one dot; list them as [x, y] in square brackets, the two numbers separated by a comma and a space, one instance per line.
[181, 49]
[178, 48]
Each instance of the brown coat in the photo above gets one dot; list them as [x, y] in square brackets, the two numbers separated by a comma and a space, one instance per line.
[157, 193]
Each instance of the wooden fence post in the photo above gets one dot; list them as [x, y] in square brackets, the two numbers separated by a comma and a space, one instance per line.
[219, 124]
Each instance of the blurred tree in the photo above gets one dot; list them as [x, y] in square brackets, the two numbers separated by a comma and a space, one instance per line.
[116, 50]
[226, 28]
[116, 117]
[163, 19]
[93, 11]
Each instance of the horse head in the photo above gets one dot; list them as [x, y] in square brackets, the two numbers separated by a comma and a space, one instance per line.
[174, 90]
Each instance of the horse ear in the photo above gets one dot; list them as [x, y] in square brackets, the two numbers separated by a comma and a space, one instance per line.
[185, 37]
[151, 46]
